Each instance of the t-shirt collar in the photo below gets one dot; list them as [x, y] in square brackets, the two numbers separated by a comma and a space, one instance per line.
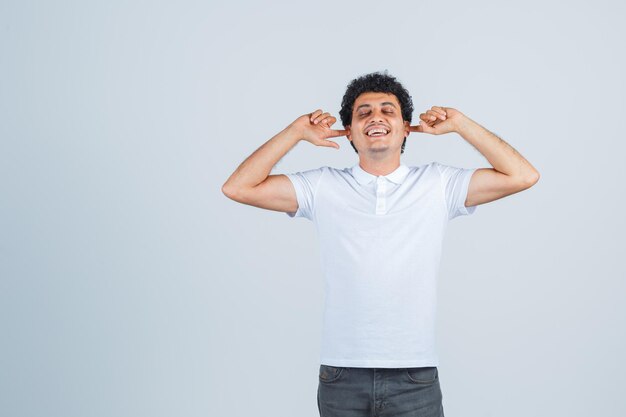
[364, 177]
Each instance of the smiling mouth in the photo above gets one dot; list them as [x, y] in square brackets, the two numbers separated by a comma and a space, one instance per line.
[377, 133]
[378, 137]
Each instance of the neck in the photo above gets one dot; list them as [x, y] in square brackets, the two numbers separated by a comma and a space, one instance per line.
[380, 167]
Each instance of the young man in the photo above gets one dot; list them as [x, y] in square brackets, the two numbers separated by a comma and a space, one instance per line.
[380, 226]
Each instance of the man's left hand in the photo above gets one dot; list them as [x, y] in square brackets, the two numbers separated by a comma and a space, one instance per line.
[438, 120]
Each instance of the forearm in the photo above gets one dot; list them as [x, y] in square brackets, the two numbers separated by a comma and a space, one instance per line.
[500, 154]
[257, 167]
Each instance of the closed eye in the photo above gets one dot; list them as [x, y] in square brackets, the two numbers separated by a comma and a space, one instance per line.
[367, 112]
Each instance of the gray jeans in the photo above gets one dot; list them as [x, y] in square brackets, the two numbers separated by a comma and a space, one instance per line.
[379, 392]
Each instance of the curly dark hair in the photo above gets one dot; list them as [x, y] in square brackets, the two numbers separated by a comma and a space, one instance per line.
[376, 82]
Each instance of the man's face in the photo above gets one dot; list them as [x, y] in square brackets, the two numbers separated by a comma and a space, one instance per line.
[372, 111]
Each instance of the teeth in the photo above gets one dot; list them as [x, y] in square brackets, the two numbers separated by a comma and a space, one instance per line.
[377, 131]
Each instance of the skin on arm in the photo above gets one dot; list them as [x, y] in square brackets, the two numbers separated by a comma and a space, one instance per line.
[251, 183]
[511, 172]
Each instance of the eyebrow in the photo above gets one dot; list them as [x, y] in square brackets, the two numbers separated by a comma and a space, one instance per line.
[369, 105]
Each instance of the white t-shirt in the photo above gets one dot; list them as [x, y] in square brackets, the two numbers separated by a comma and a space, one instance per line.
[380, 245]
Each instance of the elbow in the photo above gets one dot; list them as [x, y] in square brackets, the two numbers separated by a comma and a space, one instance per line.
[228, 191]
[235, 193]
[532, 179]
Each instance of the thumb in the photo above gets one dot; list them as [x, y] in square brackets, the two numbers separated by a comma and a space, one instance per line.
[329, 143]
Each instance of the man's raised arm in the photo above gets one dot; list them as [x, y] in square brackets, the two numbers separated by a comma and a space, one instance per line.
[251, 183]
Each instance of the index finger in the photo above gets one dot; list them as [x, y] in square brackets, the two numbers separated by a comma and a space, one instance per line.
[336, 133]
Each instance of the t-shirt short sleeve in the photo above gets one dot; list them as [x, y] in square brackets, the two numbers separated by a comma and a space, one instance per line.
[455, 183]
[305, 183]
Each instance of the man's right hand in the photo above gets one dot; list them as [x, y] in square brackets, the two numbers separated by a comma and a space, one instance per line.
[252, 184]
[315, 128]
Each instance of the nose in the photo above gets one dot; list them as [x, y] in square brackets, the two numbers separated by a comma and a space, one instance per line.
[377, 115]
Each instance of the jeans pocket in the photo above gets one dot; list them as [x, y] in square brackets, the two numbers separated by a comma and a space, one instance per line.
[330, 373]
[423, 375]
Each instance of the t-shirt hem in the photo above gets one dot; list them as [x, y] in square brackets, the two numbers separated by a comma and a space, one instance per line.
[467, 210]
[299, 196]
[378, 363]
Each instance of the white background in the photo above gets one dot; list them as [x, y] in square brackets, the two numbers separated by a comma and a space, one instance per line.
[131, 286]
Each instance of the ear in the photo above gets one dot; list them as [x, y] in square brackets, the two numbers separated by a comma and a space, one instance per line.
[348, 135]
[407, 129]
